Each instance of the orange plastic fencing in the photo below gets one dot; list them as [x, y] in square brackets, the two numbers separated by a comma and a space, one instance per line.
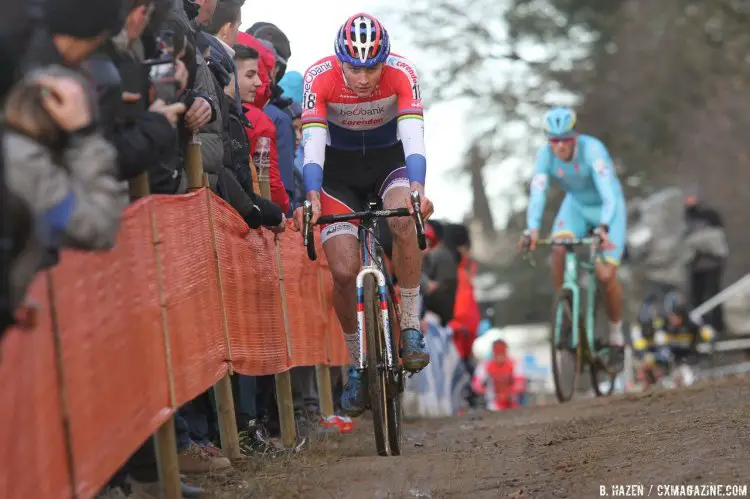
[188, 293]
[32, 436]
[113, 351]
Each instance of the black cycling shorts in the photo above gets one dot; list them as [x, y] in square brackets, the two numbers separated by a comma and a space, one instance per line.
[351, 178]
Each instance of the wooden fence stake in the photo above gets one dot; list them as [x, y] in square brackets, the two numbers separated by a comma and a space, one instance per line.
[283, 381]
[323, 371]
[230, 440]
[60, 368]
[165, 438]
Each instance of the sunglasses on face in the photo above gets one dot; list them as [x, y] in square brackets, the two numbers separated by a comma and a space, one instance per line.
[561, 140]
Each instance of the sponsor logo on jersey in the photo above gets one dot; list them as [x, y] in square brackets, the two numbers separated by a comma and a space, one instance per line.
[352, 123]
[409, 70]
[359, 111]
[363, 115]
[315, 71]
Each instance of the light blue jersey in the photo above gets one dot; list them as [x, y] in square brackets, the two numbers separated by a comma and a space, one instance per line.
[594, 194]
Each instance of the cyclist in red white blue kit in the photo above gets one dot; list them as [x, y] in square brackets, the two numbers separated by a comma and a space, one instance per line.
[363, 118]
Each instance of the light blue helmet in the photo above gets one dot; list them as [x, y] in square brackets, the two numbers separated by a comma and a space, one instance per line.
[560, 122]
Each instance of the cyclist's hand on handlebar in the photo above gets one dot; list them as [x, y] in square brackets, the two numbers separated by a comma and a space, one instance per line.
[604, 242]
[528, 240]
[426, 206]
[297, 219]
[299, 213]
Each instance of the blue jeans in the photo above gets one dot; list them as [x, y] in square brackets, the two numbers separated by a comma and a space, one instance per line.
[245, 391]
[183, 432]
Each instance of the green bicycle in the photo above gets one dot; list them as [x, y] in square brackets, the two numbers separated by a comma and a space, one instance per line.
[573, 333]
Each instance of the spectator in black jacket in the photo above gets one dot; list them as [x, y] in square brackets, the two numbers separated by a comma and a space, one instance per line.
[704, 225]
[216, 44]
[143, 132]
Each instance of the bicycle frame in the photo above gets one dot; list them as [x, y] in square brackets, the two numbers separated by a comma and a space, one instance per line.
[371, 266]
[570, 282]
[370, 260]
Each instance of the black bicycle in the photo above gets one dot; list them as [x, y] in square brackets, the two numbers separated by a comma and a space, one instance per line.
[377, 316]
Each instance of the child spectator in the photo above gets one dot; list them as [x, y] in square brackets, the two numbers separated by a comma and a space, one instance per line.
[496, 380]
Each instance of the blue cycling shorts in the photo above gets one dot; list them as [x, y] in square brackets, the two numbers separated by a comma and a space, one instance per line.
[576, 220]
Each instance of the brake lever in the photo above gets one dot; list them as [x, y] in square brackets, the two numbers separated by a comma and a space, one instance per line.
[307, 217]
[416, 204]
[307, 231]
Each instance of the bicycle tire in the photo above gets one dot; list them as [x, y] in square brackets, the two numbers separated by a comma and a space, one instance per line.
[562, 298]
[376, 375]
[395, 387]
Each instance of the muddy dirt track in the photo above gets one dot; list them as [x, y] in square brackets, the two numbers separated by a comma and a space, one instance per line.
[699, 435]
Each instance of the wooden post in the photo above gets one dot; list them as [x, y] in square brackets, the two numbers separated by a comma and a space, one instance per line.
[323, 371]
[63, 392]
[165, 439]
[284, 399]
[139, 186]
[230, 440]
[194, 163]
[165, 442]
[325, 389]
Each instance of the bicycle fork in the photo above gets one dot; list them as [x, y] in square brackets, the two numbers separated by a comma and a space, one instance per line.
[383, 301]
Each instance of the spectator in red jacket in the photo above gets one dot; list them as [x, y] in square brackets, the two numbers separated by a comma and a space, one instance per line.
[262, 125]
[466, 315]
[496, 379]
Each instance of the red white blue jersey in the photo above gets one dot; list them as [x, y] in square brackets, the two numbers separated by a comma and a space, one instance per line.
[334, 116]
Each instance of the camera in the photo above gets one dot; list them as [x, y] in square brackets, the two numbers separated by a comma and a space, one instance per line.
[162, 70]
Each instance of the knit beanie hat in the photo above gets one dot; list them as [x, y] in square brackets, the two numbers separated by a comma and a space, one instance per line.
[83, 18]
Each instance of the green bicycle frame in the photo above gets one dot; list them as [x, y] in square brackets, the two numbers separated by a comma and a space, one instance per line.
[571, 283]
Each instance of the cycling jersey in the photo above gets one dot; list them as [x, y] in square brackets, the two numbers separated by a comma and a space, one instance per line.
[594, 194]
[334, 116]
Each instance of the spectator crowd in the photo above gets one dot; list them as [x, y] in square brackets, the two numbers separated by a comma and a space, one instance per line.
[97, 102]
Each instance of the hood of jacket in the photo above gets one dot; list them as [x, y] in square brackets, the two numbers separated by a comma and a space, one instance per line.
[266, 63]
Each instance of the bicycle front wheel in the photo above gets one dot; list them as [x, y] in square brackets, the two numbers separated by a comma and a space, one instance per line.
[376, 372]
[395, 386]
[564, 354]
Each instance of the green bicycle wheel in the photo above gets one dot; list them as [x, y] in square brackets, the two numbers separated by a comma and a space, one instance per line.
[376, 373]
[564, 356]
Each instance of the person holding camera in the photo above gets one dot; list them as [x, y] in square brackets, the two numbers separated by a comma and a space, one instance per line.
[142, 129]
[61, 168]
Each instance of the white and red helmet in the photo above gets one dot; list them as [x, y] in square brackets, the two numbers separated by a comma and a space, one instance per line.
[362, 41]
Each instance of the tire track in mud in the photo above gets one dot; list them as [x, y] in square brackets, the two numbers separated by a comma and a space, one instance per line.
[697, 435]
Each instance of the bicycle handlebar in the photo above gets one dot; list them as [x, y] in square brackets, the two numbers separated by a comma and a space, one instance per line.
[416, 203]
[592, 242]
[558, 241]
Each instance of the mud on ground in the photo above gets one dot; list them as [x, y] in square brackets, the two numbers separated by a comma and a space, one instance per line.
[697, 435]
